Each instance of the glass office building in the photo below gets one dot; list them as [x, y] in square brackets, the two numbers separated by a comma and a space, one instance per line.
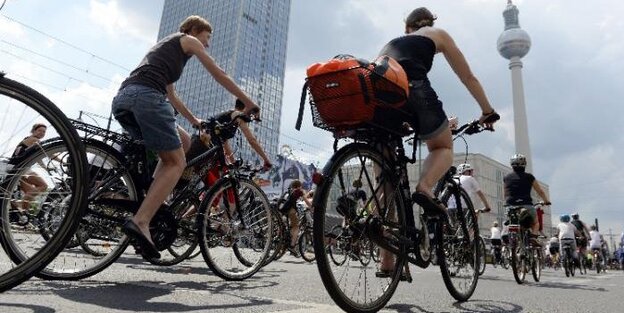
[249, 43]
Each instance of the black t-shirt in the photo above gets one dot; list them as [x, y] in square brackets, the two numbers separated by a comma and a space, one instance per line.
[518, 188]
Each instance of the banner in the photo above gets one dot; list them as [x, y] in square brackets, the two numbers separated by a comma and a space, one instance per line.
[284, 171]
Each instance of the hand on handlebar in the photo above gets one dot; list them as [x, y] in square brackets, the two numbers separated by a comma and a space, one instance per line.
[267, 165]
[488, 119]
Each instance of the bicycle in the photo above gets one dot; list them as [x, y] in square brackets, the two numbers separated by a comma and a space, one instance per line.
[567, 256]
[377, 160]
[39, 237]
[598, 260]
[119, 183]
[524, 253]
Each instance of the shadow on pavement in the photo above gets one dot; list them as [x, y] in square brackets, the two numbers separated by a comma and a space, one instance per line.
[139, 296]
[14, 307]
[477, 306]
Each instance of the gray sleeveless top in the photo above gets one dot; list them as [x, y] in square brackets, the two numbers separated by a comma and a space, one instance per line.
[162, 65]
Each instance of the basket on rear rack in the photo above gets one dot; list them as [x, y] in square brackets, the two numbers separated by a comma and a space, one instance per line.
[348, 94]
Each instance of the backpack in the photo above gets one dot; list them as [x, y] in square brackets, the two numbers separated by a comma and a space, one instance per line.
[349, 93]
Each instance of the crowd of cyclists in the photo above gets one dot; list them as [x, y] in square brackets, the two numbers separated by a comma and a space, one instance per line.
[146, 107]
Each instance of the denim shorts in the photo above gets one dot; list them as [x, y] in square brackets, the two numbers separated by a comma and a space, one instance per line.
[429, 118]
[145, 114]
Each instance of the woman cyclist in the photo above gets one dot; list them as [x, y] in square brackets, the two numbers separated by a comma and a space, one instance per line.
[415, 52]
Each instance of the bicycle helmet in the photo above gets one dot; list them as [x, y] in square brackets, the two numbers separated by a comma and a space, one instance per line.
[495, 224]
[564, 218]
[575, 216]
[464, 167]
[518, 160]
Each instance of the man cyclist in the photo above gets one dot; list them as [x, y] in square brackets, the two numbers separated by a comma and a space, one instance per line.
[517, 190]
[142, 109]
[553, 250]
[582, 239]
[470, 184]
[596, 242]
[567, 233]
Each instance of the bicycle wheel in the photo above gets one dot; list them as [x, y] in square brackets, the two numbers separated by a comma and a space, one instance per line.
[505, 255]
[231, 236]
[306, 246]
[353, 287]
[566, 265]
[112, 194]
[458, 254]
[481, 250]
[63, 172]
[536, 264]
[518, 264]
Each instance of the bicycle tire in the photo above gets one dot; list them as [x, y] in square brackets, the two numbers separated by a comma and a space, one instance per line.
[518, 265]
[105, 242]
[306, 246]
[536, 265]
[456, 250]
[213, 243]
[355, 158]
[15, 92]
[481, 250]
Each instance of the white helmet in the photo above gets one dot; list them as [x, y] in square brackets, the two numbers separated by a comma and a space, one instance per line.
[518, 160]
[464, 167]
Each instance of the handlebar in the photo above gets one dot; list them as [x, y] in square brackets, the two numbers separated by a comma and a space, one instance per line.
[475, 127]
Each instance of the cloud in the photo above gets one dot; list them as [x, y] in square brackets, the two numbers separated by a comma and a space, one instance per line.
[10, 29]
[119, 23]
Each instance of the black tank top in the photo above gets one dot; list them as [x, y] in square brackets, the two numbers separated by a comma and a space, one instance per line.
[19, 150]
[414, 53]
[161, 66]
[518, 188]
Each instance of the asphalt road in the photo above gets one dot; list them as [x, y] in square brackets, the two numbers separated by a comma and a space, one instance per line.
[291, 285]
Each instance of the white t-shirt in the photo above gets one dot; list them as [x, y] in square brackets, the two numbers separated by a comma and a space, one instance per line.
[469, 184]
[566, 230]
[496, 233]
[594, 240]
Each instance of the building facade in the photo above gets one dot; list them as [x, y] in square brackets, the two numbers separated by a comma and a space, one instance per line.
[489, 173]
[249, 42]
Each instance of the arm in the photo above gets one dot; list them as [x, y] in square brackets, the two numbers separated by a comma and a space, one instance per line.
[540, 192]
[253, 142]
[484, 200]
[229, 153]
[460, 66]
[177, 103]
[193, 46]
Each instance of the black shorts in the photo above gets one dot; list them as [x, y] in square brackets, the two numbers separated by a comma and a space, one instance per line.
[429, 118]
[554, 250]
[495, 242]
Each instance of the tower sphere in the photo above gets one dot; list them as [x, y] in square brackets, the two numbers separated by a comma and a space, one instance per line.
[514, 42]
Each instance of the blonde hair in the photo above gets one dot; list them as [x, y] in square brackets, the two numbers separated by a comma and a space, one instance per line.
[195, 24]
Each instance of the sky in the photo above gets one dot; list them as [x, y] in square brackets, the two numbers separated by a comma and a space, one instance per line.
[572, 75]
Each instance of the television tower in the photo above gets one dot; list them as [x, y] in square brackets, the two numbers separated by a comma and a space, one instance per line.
[513, 44]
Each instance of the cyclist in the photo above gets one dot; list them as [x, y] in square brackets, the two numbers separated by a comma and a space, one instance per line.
[567, 233]
[596, 241]
[31, 184]
[470, 184]
[553, 249]
[415, 52]
[289, 209]
[582, 239]
[141, 109]
[517, 191]
[496, 241]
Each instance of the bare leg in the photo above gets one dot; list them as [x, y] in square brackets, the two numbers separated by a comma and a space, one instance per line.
[438, 161]
[32, 185]
[166, 176]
